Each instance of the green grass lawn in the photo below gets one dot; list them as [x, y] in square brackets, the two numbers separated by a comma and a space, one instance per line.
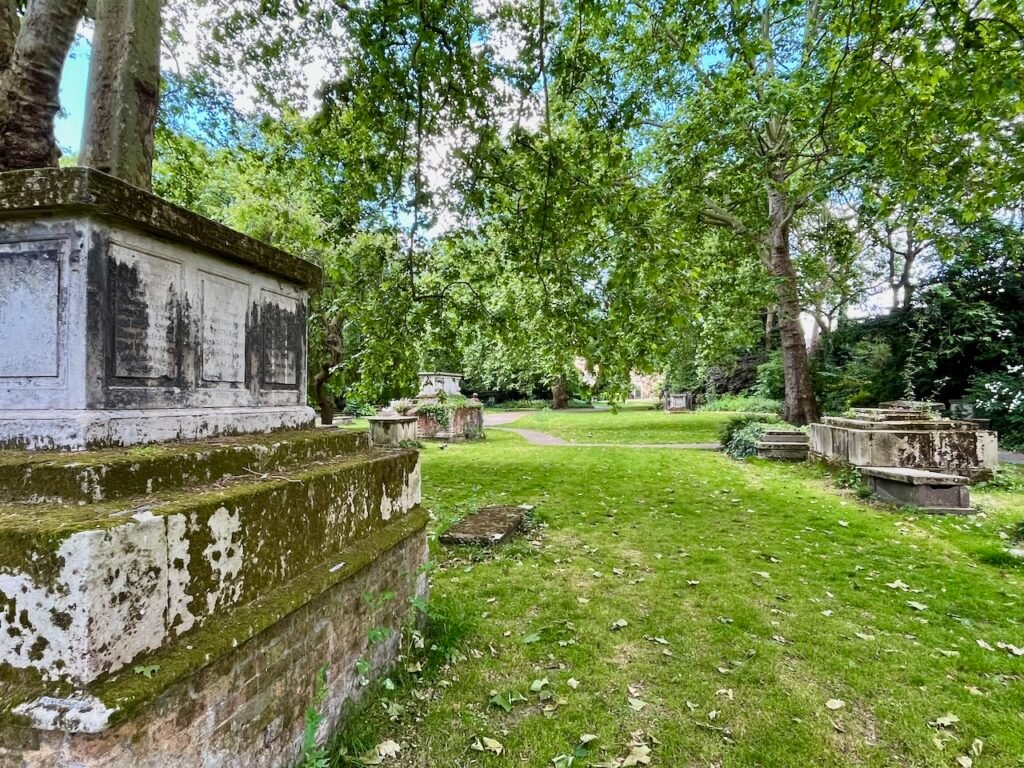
[635, 423]
[710, 611]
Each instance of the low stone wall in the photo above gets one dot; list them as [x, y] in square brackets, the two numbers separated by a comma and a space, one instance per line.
[246, 709]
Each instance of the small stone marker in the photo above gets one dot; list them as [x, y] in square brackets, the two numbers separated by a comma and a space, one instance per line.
[486, 527]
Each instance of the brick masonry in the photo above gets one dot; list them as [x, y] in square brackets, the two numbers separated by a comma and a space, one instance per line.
[247, 709]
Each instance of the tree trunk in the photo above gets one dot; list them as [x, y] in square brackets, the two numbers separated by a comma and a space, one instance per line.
[801, 406]
[124, 90]
[8, 31]
[323, 397]
[30, 83]
[559, 397]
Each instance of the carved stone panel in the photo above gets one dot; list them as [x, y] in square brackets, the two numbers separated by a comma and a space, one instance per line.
[225, 305]
[145, 292]
[283, 323]
[30, 278]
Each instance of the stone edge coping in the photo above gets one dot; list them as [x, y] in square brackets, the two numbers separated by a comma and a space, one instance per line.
[913, 476]
[57, 522]
[864, 425]
[107, 475]
[78, 189]
[120, 695]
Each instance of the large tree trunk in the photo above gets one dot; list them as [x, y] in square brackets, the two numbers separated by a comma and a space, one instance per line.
[801, 405]
[30, 81]
[559, 396]
[124, 90]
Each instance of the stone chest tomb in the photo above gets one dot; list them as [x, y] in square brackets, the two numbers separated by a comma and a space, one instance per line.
[180, 551]
[127, 320]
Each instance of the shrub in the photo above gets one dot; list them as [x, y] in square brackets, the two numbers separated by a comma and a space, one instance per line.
[743, 442]
[358, 409]
[1000, 397]
[743, 404]
[737, 423]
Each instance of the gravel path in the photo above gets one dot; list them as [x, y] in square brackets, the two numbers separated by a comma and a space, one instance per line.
[542, 438]
[1011, 457]
[497, 418]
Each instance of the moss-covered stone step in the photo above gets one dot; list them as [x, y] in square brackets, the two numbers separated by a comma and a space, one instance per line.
[84, 591]
[27, 700]
[95, 476]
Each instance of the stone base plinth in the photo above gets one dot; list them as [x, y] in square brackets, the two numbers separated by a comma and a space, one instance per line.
[245, 710]
[170, 605]
[79, 430]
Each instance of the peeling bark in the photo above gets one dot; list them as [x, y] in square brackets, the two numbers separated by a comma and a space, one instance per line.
[30, 83]
[124, 90]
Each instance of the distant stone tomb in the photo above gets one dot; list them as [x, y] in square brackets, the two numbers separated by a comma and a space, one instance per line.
[442, 411]
[678, 402]
[169, 604]
[906, 434]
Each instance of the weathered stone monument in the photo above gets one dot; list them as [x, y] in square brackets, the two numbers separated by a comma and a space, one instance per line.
[442, 411]
[678, 402]
[908, 435]
[127, 320]
[180, 551]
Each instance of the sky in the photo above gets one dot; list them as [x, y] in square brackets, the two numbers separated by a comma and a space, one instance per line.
[73, 82]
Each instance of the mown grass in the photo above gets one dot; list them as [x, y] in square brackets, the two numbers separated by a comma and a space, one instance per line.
[769, 587]
[634, 423]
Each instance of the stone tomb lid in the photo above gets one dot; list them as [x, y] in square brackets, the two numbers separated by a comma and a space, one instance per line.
[85, 190]
[913, 476]
[486, 527]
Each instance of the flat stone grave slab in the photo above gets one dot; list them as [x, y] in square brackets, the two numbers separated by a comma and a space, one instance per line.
[931, 491]
[486, 527]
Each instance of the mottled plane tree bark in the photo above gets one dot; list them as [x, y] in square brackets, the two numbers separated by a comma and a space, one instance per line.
[124, 90]
[35, 38]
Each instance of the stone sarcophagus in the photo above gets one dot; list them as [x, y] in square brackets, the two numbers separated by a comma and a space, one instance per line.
[125, 319]
[907, 435]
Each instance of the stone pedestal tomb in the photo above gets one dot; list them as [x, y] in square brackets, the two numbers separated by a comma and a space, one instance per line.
[443, 413]
[180, 550]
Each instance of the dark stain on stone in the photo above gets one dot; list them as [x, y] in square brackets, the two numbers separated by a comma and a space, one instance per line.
[282, 332]
[38, 648]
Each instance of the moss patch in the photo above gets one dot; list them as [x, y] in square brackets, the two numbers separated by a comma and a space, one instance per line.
[128, 692]
[110, 474]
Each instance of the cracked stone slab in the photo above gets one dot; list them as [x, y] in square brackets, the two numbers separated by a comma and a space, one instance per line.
[487, 526]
